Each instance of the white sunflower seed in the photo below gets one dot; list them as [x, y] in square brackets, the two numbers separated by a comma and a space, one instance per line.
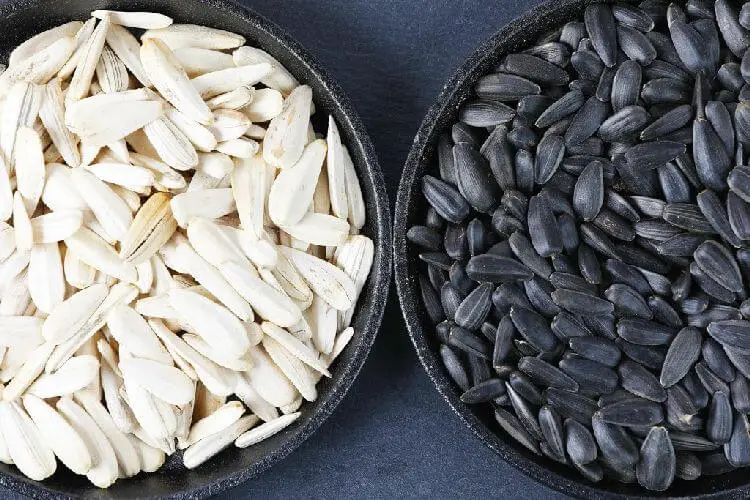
[190, 35]
[170, 80]
[75, 374]
[141, 20]
[301, 179]
[268, 380]
[91, 51]
[325, 279]
[46, 278]
[266, 430]
[126, 453]
[219, 82]
[26, 444]
[104, 469]
[280, 79]
[286, 136]
[163, 381]
[134, 334]
[127, 48]
[209, 446]
[61, 437]
[43, 40]
[197, 61]
[111, 72]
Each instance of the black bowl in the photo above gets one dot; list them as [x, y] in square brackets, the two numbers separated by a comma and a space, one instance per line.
[410, 210]
[20, 20]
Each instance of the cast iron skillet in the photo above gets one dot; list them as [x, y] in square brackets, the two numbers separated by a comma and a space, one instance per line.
[20, 20]
[410, 209]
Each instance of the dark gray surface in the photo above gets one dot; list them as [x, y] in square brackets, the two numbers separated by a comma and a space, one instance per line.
[392, 435]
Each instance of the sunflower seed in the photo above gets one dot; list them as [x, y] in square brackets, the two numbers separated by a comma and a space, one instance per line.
[632, 412]
[683, 352]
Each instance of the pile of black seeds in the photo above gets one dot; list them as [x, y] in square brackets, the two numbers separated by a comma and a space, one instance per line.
[587, 243]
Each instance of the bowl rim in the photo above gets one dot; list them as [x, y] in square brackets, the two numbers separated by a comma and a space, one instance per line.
[454, 91]
[379, 279]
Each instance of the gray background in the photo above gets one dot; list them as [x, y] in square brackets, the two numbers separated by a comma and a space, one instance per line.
[393, 435]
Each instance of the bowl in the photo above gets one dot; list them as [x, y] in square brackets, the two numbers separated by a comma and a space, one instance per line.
[20, 20]
[410, 210]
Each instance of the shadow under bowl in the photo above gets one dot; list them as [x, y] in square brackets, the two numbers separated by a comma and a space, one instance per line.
[21, 19]
[410, 210]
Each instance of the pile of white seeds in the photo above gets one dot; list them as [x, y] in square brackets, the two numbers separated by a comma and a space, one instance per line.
[180, 258]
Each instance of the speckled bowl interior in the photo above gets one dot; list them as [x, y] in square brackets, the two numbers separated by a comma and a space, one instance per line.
[19, 20]
[411, 209]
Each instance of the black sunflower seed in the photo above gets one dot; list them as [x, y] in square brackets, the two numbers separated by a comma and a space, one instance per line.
[660, 284]
[739, 216]
[469, 342]
[717, 360]
[581, 303]
[551, 426]
[543, 229]
[572, 282]
[721, 120]
[597, 349]
[656, 467]
[720, 414]
[525, 388]
[683, 352]
[539, 294]
[627, 301]
[566, 326]
[593, 471]
[445, 199]
[476, 237]
[553, 52]
[548, 158]
[507, 295]
[586, 121]
[631, 412]
[712, 161]
[461, 132]
[669, 122]
[525, 413]
[455, 368]
[594, 377]
[579, 443]
[563, 107]
[505, 87]
[485, 113]
[503, 341]
[451, 299]
[688, 466]
[475, 181]
[650, 207]
[455, 243]
[663, 69]
[484, 392]
[571, 405]
[737, 450]
[665, 91]
[641, 382]
[588, 195]
[534, 328]
[588, 65]
[626, 88]
[588, 263]
[496, 269]
[735, 36]
[614, 443]
[426, 237]
[709, 379]
[680, 407]
[501, 162]
[600, 26]
[545, 374]
[535, 69]
[644, 332]
[602, 325]
[654, 154]
[674, 185]
[716, 214]
[633, 16]
[731, 333]
[714, 464]
[624, 123]
[740, 392]
[686, 216]
[431, 300]
[473, 310]
[620, 272]
[515, 429]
